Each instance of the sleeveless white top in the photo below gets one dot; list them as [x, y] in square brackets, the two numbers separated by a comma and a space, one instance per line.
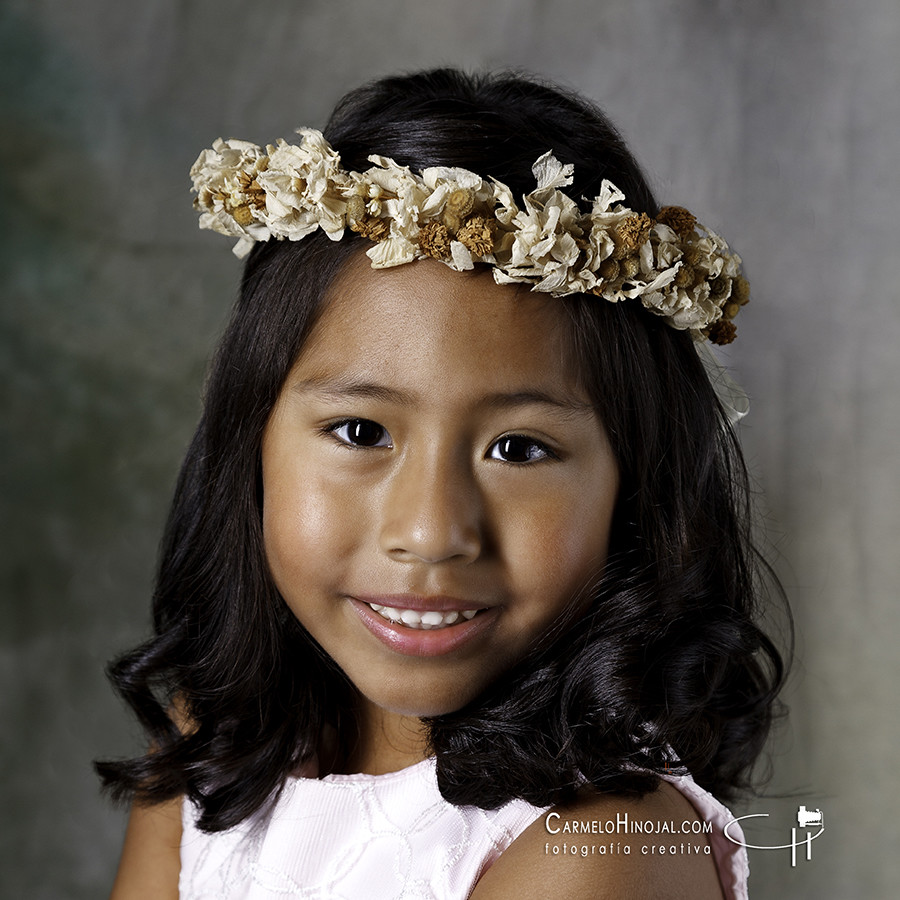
[385, 837]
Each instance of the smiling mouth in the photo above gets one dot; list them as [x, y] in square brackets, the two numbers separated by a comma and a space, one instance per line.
[427, 620]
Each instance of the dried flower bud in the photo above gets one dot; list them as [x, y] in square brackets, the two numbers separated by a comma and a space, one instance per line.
[686, 277]
[720, 288]
[678, 219]
[633, 231]
[434, 239]
[356, 208]
[722, 332]
[609, 269]
[630, 267]
[740, 290]
[477, 236]
[372, 228]
[460, 203]
[451, 221]
[242, 215]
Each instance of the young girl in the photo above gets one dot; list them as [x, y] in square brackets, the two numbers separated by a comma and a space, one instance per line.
[457, 589]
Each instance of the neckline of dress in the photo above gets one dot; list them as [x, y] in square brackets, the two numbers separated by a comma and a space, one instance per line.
[410, 771]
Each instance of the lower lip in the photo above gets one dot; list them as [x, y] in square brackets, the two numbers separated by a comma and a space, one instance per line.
[422, 642]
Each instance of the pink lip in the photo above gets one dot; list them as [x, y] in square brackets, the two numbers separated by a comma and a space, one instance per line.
[420, 642]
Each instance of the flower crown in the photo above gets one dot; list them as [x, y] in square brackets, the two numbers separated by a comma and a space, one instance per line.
[677, 268]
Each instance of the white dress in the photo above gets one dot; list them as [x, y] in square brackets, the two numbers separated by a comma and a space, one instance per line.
[386, 837]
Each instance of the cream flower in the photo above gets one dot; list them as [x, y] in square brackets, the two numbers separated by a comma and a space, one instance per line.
[545, 248]
[685, 310]
[227, 194]
[606, 213]
[664, 247]
[400, 195]
[460, 185]
[302, 188]
[505, 207]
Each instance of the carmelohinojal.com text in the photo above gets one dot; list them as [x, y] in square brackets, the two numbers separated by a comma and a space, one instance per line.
[624, 824]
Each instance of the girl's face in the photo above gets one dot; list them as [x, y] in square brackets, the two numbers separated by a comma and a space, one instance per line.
[437, 488]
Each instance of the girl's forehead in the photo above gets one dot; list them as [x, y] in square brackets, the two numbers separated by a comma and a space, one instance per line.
[424, 325]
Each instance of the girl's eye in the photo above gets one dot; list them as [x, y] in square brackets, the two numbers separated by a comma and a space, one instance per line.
[516, 448]
[361, 433]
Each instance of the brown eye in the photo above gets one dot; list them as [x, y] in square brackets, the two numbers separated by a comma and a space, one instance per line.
[516, 448]
[361, 433]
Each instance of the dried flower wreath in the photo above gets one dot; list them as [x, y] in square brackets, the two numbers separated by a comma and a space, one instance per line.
[677, 268]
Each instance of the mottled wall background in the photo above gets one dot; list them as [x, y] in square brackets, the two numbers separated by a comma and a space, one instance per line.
[778, 122]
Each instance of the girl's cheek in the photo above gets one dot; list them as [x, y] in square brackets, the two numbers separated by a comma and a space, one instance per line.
[563, 543]
[301, 530]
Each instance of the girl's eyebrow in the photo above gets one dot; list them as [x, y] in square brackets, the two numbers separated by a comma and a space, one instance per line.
[343, 388]
[340, 388]
[566, 402]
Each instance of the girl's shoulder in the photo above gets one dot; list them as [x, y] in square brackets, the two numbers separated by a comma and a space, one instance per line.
[150, 861]
[594, 848]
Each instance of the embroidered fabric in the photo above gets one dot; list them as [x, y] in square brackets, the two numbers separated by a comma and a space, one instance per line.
[731, 858]
[343, 837]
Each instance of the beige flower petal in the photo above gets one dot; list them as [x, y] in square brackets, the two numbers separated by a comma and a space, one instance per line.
[395, 251]
[549, 172]
[462, 258]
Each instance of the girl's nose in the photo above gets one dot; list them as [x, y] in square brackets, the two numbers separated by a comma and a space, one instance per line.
[432, 512]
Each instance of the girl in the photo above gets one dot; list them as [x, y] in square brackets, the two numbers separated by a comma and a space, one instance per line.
[458, 583]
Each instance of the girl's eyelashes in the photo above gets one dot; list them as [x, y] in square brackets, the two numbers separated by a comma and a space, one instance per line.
[511, 448]
[360, 433]
[518, 448]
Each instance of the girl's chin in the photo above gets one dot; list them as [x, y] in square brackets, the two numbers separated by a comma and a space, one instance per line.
[418, 704]
[409, 709]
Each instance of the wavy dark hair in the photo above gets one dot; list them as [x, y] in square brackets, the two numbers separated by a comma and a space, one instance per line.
[667, 669]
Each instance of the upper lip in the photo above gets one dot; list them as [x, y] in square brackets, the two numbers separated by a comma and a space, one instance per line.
[437, 603]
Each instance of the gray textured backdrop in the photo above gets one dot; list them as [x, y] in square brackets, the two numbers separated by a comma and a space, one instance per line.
[774, 121]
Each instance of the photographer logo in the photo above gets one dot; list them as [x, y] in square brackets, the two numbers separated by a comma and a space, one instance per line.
[807, 821]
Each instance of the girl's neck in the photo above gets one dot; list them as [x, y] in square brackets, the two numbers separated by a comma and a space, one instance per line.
[387, 742]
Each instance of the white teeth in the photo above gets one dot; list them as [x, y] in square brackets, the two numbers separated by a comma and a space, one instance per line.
[426, 621]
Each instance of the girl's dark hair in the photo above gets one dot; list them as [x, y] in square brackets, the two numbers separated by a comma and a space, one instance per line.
[668, 669]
